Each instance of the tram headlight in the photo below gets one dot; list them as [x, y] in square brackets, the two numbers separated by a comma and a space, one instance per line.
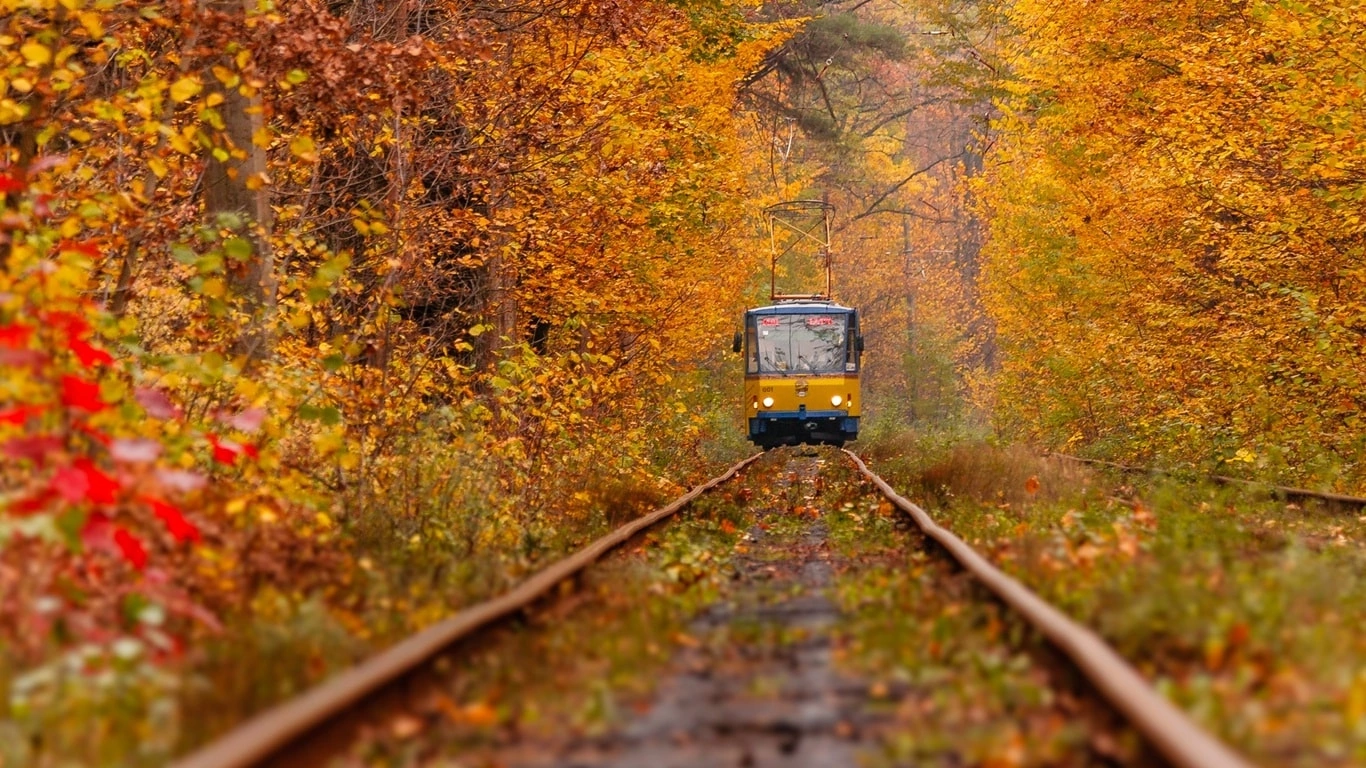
[768, 402]
[836, 400]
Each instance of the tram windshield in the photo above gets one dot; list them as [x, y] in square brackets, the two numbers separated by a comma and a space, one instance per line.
[814, 343]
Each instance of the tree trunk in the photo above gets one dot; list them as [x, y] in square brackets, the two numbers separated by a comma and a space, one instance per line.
[227, 191]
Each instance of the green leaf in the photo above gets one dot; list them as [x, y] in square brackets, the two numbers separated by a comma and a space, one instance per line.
[328, 415]
[209, 263]
[332, 269]
[69, 523]
[223, 220]
[184, 253]
[237, 248]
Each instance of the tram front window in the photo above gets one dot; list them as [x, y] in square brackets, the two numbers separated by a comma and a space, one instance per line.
[801, 343]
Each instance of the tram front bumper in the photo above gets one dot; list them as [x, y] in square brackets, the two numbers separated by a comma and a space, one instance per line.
[786, 423]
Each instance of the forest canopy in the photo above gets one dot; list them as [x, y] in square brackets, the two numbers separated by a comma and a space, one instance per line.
[1176, 252]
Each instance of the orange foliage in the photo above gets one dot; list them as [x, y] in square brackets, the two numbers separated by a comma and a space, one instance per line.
[1176, 256]
[494, 238]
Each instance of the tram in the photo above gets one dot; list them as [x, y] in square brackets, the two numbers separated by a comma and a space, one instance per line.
[802, 353]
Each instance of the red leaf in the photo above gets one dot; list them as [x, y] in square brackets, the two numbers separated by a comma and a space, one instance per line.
[15, 335]
[131, 548]
[180, 480]
[176, 524]
[168, 647]
[82, 395]
[22, 358]
[135, 450]
[70, 323]
[156, 403]
[225, 451]
[10, 184]
[89, 354]
[71, 484]
[103, 488]
[45, 162]
[249, 420]
[36, 449]
[251, 451]
[85, 249]
[85, 482]
[95, 534]
[20, 414]
[32, 504]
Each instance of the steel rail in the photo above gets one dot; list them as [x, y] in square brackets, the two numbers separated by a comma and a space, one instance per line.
[1167, 729]
[267, 733]
[1283, 490]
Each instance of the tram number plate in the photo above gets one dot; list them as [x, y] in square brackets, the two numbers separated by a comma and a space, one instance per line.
[819, 322]
[770, 322]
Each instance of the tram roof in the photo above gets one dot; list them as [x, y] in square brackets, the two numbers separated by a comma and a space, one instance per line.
[799, 307]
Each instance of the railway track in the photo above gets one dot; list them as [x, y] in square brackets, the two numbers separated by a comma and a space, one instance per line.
[1331, 500]
[704, 713]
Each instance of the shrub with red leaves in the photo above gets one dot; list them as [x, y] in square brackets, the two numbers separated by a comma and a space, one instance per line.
[77, 465]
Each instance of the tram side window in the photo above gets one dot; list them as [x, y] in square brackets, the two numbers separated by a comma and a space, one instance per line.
[751, 348]
[851, 353]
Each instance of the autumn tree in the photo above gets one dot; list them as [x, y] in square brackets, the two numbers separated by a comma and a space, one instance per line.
[1175, 246]
[279, 272]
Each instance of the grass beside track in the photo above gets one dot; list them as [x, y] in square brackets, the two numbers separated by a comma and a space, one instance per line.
[966, 681]
[1243, 610]
[575, 667]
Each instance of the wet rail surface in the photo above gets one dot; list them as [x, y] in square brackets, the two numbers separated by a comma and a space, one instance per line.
[755, 680]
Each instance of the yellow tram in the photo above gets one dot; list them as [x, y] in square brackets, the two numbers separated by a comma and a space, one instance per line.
[802, 373]
[803, 352]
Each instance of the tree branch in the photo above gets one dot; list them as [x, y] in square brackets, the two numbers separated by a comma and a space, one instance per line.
[872, 209]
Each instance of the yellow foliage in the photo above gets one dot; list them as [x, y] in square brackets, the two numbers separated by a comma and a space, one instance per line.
[1176, 252]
